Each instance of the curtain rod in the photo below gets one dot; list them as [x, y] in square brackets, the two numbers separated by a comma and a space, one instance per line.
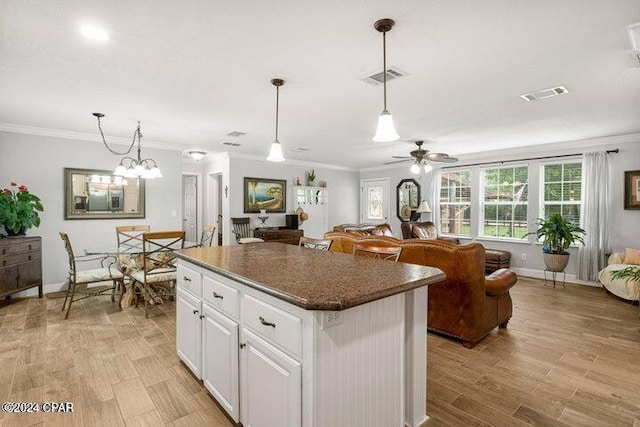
[522, 160]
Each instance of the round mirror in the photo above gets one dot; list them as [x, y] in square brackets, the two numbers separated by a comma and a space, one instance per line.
[408, 199]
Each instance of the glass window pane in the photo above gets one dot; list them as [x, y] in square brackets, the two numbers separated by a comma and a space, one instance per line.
[374, 202]
[553, 192]
[572, 192]
[553, 173]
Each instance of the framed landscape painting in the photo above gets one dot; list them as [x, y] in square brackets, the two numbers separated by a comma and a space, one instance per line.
[267, 194]
[632, 190]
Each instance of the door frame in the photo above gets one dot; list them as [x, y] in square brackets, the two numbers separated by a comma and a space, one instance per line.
[198, 226]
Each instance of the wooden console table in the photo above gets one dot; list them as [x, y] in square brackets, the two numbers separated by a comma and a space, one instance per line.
[20, 264]
[281, 235]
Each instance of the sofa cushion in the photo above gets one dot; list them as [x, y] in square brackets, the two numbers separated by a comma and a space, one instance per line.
[632, 256]
[496, 255]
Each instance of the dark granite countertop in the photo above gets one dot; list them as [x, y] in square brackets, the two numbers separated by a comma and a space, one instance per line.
[312, 279]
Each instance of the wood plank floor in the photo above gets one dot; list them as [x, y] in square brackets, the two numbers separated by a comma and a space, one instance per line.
[569, 357]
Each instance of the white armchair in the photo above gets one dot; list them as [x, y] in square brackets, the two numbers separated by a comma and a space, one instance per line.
[625, 288]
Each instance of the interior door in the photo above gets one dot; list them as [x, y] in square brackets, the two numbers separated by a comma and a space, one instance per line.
[374, 201]
[190, 207]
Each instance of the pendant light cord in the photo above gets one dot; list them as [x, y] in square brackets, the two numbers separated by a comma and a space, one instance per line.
[277, 108]
[384, 66]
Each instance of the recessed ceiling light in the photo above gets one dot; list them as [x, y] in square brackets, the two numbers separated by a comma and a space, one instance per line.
[94, 33]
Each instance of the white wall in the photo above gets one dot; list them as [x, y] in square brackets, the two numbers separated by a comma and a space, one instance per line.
[38, 162]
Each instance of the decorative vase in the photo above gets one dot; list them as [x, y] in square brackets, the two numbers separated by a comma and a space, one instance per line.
[556, 262]
[11, 233]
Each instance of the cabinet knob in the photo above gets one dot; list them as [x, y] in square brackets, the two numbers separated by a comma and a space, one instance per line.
[265, 323]
[242, 345]
[202, 316]
[195, 311]
[217, 295]
[186, 279]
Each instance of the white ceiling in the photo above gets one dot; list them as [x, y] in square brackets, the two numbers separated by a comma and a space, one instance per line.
[193, 71]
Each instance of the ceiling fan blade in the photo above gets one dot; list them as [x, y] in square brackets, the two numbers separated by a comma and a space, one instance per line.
[397, 161]
[441, 157]
[401, 157]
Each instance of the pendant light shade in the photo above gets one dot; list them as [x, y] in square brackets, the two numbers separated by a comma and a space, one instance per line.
[275, 152]
[386, 131]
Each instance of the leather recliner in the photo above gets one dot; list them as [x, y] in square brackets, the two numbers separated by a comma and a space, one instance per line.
[365, 229]
[423, 230]
[467, 305]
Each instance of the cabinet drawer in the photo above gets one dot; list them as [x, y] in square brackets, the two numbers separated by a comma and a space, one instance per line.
[18, 246]
[220, 296]
[16, 259]
[273, 323]
[190, 280]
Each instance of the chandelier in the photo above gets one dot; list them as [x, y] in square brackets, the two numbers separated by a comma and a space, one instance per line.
[130, 167]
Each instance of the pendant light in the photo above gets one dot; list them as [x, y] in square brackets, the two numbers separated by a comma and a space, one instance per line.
[275, 152]
[386, 131]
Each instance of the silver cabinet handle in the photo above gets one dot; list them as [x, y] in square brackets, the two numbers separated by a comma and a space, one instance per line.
[217, 295]
[265, 323]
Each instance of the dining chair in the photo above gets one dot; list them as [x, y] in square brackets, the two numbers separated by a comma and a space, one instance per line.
[311, 243]
[156, 277]
[242, 231]
[206, 239]
[78, 280]
[130, 237]
[391, 253]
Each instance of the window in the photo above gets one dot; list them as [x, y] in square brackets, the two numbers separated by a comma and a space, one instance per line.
[505, 203]
[374, 203]
[562, 190]
[455, 203]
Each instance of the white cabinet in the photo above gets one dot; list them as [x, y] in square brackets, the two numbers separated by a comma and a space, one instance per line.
[189, 331]
[220, 359]
[315, 202]
[271, 385]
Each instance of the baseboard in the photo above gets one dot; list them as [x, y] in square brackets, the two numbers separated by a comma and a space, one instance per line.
[420, 423]
[47, 288]
[539, 274]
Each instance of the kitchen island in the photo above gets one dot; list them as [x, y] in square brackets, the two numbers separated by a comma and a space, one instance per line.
[288, 336]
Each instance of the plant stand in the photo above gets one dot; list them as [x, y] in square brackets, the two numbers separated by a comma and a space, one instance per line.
[553, 275]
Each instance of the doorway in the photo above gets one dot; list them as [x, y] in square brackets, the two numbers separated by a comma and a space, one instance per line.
[190, 207]
[374, 201]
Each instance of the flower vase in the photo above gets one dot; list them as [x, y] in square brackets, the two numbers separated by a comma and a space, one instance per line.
[11, 233]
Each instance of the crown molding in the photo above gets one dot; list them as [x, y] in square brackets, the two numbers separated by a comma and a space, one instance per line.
[291, 162]
[82, 136]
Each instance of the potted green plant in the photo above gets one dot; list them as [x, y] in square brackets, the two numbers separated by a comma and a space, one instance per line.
[311, 177]
[557, 234]
[19, 209]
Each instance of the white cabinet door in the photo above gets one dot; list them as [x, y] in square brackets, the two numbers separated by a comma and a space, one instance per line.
[189, 331]
[271, 385]
[220, 359]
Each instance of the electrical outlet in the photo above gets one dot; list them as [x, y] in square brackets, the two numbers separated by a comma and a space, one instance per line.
[523, 256]
[331, 318]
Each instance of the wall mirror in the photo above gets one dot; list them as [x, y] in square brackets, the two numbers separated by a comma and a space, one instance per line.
[408, 199]
[97, 194]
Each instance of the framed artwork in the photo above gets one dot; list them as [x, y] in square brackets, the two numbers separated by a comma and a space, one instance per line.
[632, 190]
[267, 194]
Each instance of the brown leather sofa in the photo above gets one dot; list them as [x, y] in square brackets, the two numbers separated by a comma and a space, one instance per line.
[365, 229]
[423, 230]
[467, 305]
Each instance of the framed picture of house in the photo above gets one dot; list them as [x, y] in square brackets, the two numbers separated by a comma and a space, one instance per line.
[632, 190]
[263, 193]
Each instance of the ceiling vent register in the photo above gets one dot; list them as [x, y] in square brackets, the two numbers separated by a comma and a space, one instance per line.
[378, 78]
[544, 93]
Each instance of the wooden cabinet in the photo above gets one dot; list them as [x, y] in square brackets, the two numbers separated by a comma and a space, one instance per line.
[281, 235]
[20, 264]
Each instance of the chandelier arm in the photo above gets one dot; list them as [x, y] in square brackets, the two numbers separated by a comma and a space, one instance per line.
[117, 153]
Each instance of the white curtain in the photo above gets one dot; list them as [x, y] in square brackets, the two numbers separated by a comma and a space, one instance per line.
[434, 199]
[595, 221]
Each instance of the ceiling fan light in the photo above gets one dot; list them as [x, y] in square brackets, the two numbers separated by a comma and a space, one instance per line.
[275, 152]
[428, 168]
[197, 155]
[386, 131]
[415, 168]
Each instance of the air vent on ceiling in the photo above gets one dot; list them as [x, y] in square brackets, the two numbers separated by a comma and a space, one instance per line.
[301, 149]
[232, 144]
[236, 134]
[377, 79]
[544, 93]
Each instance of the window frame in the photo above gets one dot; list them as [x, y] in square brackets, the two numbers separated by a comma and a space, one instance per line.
[482, 205]
[439, 204]
[541, 185]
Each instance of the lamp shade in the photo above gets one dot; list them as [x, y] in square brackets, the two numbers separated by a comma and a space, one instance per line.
[415, 168]
[386, 131]
[275, 152]
[424, 207]
[428, 168]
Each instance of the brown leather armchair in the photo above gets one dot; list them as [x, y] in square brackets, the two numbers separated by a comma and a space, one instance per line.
[365, 229]
[423, 230]
[467, 305]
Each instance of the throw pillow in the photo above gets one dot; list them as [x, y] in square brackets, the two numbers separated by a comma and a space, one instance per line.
[632, 256]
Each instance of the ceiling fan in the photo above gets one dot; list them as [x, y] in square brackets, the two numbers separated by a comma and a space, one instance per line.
[421, 159]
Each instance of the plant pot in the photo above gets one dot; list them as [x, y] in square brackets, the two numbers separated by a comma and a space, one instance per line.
[556, 262]
[11, 233]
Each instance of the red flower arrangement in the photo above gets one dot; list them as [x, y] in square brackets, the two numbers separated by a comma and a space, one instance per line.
[19, 209]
